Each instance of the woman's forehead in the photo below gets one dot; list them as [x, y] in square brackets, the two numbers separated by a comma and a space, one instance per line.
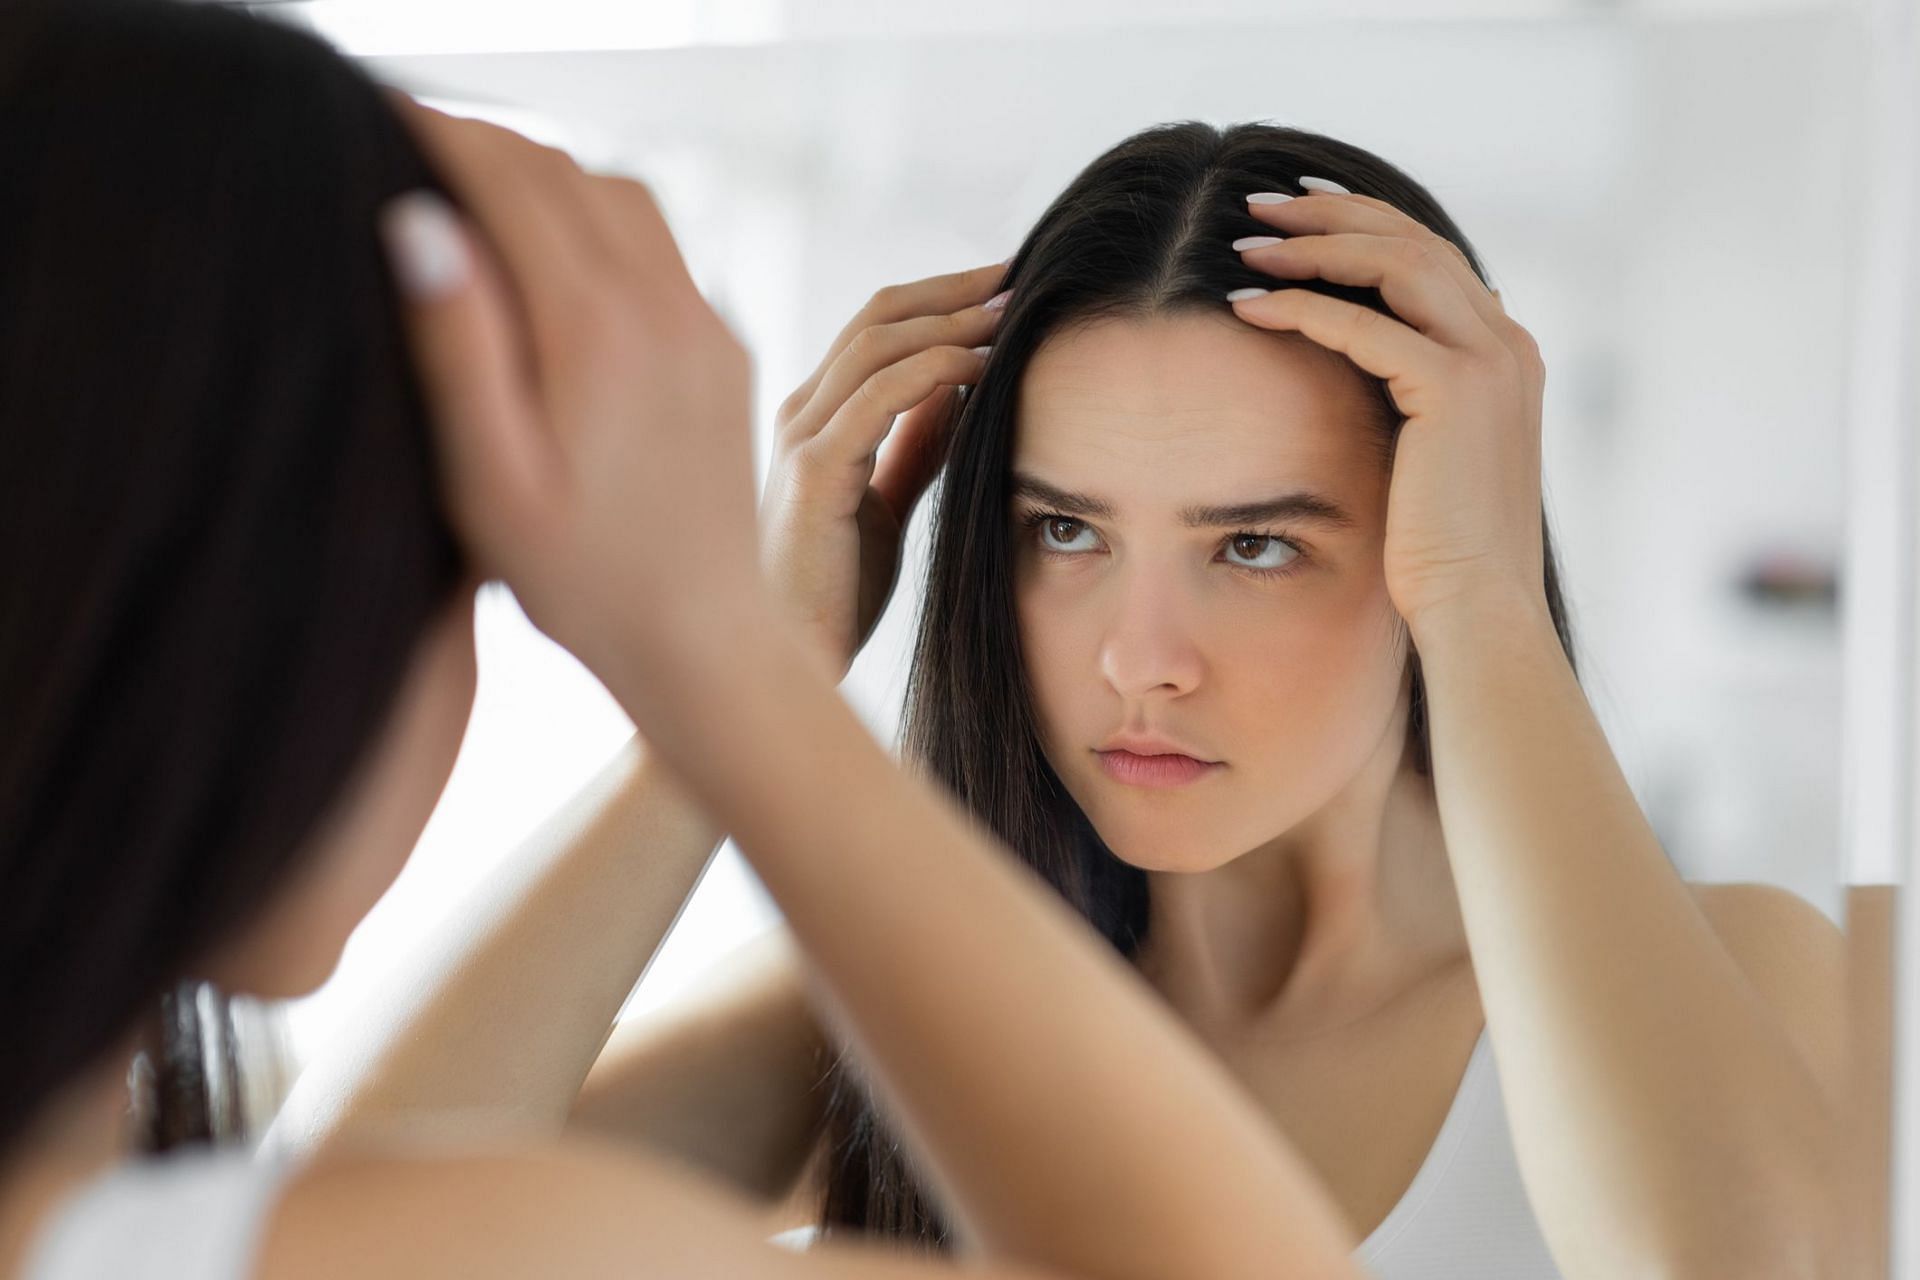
[1166, 399]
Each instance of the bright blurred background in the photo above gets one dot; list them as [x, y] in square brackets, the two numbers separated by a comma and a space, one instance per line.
[1673, 197]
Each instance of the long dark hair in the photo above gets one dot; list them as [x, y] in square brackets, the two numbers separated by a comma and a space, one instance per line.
[1144, 230]
[220, 532]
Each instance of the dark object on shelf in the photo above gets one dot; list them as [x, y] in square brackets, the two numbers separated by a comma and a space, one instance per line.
[1777, 578]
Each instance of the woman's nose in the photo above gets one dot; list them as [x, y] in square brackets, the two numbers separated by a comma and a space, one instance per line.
[1149, 647]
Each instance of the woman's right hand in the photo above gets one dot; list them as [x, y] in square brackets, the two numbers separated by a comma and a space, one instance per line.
[592, 410]
[595, 439]
[835, 507]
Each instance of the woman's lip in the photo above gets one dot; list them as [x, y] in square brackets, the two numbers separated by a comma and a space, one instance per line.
[1154, 771]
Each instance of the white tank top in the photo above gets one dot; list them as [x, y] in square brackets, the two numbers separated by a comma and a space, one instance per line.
[196, 1215]
[1465, 1215]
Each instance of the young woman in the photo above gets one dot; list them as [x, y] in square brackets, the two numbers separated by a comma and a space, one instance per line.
[1243, 628]
[236, 661]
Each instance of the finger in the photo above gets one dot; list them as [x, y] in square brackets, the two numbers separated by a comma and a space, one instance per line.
[1368, 213]
[1410, 275]
[914, 451]
[1377, 343]
[855, 432]
[632, 223]
[873, 349]
[528, 202]
[1324, 212]
[491, 442]
[934, 295]
[475, 149]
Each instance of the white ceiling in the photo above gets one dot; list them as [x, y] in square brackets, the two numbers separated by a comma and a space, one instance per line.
[401, 27]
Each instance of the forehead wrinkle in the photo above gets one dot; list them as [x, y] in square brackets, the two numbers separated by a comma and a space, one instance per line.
[1151, 361]
[1093, 416]
[1146, 398]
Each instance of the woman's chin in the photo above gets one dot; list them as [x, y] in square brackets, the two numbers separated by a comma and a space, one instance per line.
[1169, 847]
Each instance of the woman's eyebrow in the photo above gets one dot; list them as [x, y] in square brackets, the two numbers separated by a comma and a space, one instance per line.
[1302, 505]
[1079, 504]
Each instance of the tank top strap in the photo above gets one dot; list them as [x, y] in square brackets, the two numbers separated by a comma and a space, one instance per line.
[1468, 1215]
[196, 1215]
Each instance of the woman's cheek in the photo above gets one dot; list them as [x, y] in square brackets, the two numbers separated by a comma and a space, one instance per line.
[1323, 686]
[1061, 666]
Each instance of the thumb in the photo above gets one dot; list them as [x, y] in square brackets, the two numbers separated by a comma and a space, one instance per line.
[496, 459]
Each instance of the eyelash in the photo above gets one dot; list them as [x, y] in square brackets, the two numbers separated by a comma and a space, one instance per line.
[1033, 521]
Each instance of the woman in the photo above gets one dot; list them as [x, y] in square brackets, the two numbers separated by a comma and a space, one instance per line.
[236, 661]
[1244, 630]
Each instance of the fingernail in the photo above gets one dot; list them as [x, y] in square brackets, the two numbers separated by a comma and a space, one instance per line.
[423, 239]
[982, 351]
[998, 300]
[1255, 242]
[1324, 184]
[1268, 197]
[1241, 295]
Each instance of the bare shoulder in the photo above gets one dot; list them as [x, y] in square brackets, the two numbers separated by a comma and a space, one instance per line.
[481, 1214]
[1794, 955]
[575, 1209]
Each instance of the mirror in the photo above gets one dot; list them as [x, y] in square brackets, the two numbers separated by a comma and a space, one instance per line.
[1687, 205]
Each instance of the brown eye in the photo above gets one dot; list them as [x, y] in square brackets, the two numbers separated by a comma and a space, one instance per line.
[1065, 535]
[1260, 551]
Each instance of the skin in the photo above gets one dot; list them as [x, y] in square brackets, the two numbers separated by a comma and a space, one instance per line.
[1338, 954]
[1296, 682]
[591, 417]
[1302, 914]
[296, 941]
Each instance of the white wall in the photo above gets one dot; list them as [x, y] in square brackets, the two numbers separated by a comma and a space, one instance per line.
[1667, 202]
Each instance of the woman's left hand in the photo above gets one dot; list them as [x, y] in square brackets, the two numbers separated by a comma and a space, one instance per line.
[1463, 507]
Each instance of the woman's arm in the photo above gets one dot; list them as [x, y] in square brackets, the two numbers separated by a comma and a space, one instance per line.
[496, 1018]
[728, 1076]
[1661, 1110]
[1010, 1043]
[498, 1015]
[1666, 1119]
[492, 1024]
[593, 416]
[576, 1210]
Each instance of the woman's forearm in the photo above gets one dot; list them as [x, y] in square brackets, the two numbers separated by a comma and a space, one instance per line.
[1065, 1115]
[494, 1021]
[1662, 1117]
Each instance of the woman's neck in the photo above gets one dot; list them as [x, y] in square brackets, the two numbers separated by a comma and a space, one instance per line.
[1321, 925]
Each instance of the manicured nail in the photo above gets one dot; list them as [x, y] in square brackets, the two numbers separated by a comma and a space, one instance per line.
[1241, 295]
[1268, 197]
[982, 351]
[1324, 184]
[424, 241]
[998, 300]
[1255, 242]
